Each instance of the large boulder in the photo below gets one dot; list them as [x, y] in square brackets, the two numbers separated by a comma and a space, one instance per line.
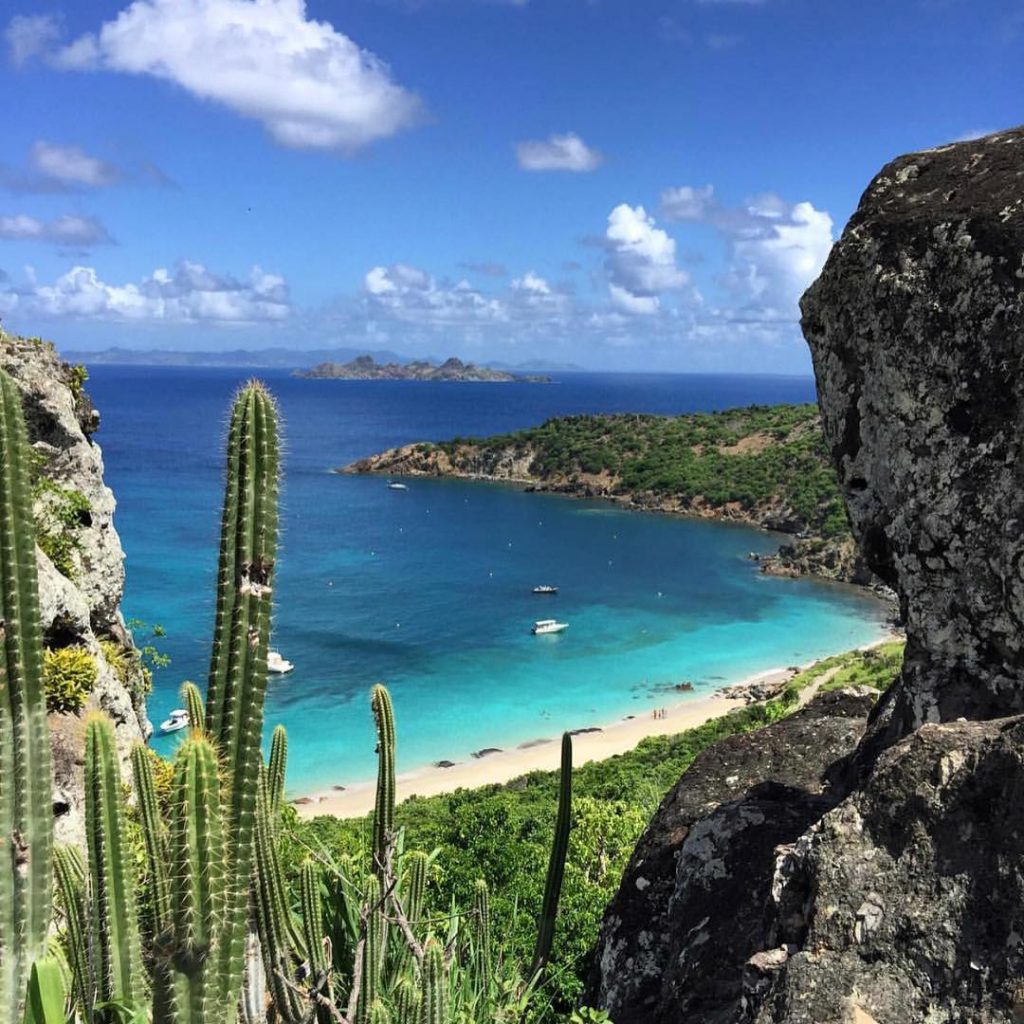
[916, 328]
[691, 908]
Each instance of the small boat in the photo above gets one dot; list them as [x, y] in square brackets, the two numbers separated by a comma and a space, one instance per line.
[542, 626]
[179, 720]
[277, 664]
[545, 588]
[394, 485]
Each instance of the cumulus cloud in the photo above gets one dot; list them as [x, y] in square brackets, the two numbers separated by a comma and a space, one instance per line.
[777, 248]
[558, 153]
[308, 84]
[189, 294]
[640, 261]
[407, 293]
[67, 230]
[30, 35]
[70, 165]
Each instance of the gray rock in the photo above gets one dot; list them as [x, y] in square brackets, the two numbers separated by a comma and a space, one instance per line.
[61, 421]
[690, 910]
[916, 327]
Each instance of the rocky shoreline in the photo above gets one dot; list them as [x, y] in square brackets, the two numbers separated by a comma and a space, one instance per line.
[831, 558]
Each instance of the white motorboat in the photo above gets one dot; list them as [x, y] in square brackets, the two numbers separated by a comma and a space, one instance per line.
[542, 626]
[277, 664]
[394, 485]
[545, 588]
[179, 720]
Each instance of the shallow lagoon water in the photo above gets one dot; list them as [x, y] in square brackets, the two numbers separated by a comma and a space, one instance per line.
[428, 589]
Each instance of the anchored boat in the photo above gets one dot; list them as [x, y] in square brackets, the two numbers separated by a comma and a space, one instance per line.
[542, 626]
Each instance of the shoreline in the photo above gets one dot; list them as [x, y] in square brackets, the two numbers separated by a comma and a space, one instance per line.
[589, 744]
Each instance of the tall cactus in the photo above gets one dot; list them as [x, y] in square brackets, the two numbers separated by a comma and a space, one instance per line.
[69, 872]
[415, 888]
[26, 822]
[374, 949]
[238, 667]
[193, 700]
[114, 926]
[276, 769]
[556, 863]
[154, 837]
[433, 995]
[482, 945]
[384, 809]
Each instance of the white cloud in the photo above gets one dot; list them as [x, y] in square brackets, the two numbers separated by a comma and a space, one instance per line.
[776, 248]
[409, 294]
[309, 85]
[70, 165]
[67, 230]
[29, 35]
[558, 153]
[640, 260]
[188, 294]
[687, 202]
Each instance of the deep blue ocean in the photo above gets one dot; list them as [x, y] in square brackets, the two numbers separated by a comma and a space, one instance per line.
[428, 589]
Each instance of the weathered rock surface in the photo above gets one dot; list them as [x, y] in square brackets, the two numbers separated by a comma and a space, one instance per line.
[81, 611]
[898, 899]
[916, 327]
[691, 907]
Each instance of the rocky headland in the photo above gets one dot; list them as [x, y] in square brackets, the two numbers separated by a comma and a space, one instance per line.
[452, 369]
[80, 564]
[846, 866]
[762, 466]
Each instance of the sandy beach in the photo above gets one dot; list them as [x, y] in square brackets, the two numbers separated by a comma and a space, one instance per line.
[535, 755]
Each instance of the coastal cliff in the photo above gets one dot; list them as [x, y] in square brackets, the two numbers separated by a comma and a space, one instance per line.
[884, 884]
[91, 656]
[764, 466]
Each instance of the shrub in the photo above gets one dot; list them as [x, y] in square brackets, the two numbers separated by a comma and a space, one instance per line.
[69, 675]
[59, 513]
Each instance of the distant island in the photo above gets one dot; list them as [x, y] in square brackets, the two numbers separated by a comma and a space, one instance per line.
[367, 368]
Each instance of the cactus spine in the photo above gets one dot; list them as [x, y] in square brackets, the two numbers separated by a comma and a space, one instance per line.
[556, 863]
[373, 949]
[415, 885]
[276, 769]
[26, 823]
[407, 1002]
[238, 667]
[432, 985]
[482, 922]
[384, 810]
[114, 927]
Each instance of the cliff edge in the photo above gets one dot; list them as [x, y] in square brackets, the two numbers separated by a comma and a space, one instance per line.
[887, 886]
[81, 569]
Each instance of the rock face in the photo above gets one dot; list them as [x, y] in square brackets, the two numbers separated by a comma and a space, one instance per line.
[892, 891]
[83, 610]
[916, 327]
[691, 908]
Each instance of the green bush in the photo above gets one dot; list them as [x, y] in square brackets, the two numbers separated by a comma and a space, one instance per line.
[69, 674]
[60, 512]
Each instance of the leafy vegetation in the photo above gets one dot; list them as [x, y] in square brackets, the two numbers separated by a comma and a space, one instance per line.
[59, 513]
[759, 458]
[69, 675]
[501, 832]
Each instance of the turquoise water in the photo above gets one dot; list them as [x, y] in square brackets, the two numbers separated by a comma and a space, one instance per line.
[428, 589]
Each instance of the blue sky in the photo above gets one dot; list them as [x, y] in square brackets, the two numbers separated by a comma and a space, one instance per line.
[625, 185]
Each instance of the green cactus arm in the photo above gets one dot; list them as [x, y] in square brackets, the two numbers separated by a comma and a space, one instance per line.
[273, 918]
[26, 820]
[374, 948]
[384, 809]
[69, 874]
[556, 863]
[407, 1002]
[433, 994]
[276, 769]
[415, 888]
[187, 987]
[312, 917]
[114, 926]
[238, 666]
[379, 1014]
[482, 939]
[194, 705]
[154, 836]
